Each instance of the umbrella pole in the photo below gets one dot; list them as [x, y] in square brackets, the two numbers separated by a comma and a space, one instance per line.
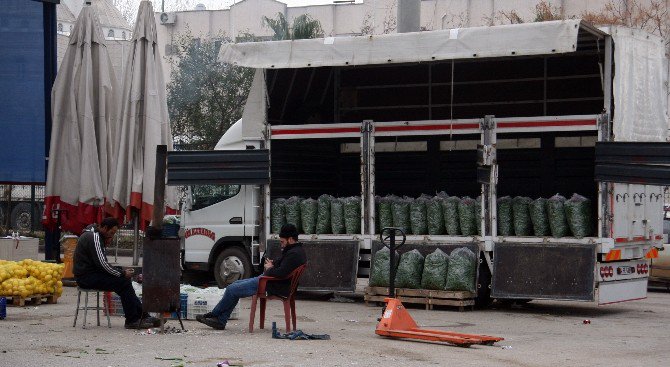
[136, 239]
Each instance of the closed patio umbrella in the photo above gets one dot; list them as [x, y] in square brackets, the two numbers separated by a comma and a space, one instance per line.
[144, 125]
[84, 105]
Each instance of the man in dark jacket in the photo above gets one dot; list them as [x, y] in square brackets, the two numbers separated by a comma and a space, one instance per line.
[293, 255]
[92, 271]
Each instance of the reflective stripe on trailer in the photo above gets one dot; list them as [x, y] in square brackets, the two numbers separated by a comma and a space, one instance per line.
[613, 255]
[652, 253]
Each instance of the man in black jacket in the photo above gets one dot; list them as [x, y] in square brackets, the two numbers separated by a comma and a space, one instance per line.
[293, 255]
[92, 271]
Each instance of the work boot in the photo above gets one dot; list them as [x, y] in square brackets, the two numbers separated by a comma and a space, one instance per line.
[212, 322]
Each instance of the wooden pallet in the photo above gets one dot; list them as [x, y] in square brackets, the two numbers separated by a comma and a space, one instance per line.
[427, 297]
[34, 300]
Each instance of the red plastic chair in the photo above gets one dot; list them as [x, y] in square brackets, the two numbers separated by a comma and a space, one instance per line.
[289, 302]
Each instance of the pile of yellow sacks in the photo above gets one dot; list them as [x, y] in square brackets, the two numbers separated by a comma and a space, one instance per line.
[29, 277]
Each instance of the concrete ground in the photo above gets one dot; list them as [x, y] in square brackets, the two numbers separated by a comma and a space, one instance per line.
[539, 334]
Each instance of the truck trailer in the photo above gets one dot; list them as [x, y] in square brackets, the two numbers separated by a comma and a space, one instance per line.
[484, 112]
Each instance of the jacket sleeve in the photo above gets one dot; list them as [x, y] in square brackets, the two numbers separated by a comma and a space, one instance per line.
[289, 262]
[100, 259]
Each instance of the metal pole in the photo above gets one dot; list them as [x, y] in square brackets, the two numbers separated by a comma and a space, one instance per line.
[391, 263]
[136, 237]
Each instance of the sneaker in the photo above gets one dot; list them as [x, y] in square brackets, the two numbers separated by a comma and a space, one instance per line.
[144, 324]
[211, 322]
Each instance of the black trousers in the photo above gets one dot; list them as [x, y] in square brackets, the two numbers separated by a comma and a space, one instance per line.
[132, 306]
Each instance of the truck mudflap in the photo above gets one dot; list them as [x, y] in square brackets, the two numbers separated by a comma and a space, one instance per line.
[622, 291]
[559, 271]
[331, 264]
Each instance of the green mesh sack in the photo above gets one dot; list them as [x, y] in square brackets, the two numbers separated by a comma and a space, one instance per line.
[478, 214]
[557, 220]
[505, 226]
[337, 216]
[380, 272]
[278, 214]
[352, 215]
[462, 270]
[539, 217]
[435, 271]
[410, 270]
[323, 214]
[292, 205]
[451, 218]
[521, 215]
[434, 215]
[466, 216]
[578, 213]
[385, 213]
[308, 212]
[401, 210]
[417, 215]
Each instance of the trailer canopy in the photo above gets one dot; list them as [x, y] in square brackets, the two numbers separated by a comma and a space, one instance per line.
[460, 43]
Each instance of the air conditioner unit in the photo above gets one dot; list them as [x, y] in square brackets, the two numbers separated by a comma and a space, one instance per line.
[168, 18]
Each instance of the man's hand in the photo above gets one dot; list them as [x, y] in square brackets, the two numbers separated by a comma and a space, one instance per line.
[268, 264]
[128, 273]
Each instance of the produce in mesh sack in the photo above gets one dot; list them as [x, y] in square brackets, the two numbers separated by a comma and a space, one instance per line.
[435, 270]
[435, 216]
[466, 216]
[380, 272]
[352, 215]
[478, 214]
[410, 270]
[557, 220]
[323, 214]
[385, 213]
[451, 218]
[417, 215]
[505, 227]
[292, 205]
[462, 270]
[337, 216]
[521, 214]
[539, 217]
[401, 210]
[578, 212]
[308, 211]
[278, 214]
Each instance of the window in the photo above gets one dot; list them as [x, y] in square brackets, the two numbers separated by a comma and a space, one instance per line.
[60, 27]
[206, 195]
[110, 34]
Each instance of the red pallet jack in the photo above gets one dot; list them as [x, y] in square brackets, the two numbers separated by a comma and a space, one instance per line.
[396, 322]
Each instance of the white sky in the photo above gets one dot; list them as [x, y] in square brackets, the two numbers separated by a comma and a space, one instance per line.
[221, 4]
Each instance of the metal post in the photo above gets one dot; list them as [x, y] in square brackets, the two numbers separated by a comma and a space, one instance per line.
[391, 263]
[159, 186]
[136, 237]
[367, 178]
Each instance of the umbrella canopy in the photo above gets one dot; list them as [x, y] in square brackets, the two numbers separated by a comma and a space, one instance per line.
[144, 125]
[83, 126]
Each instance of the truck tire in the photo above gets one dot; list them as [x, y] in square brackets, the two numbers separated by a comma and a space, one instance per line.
[22, 217]
[483, 298]
[233, 263]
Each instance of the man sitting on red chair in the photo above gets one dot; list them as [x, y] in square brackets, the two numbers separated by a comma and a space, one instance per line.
[293, 256]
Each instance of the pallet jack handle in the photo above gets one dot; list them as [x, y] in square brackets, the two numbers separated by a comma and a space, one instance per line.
[389, 242]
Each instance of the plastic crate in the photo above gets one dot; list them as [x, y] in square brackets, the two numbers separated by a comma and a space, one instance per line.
[3, 308]
[114, 301]
[170, 230]
[200, 304]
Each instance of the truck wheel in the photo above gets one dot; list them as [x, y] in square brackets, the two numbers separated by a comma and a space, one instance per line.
[22, 217]
[483, 298]
[232, 264]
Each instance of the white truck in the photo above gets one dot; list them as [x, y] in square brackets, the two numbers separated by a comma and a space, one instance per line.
[487, 111]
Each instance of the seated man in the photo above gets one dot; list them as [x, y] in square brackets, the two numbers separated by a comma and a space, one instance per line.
[293, 255]
[92, 271]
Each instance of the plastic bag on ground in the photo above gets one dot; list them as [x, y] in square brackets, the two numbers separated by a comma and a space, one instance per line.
[557, 220]
[462, 270]
[380, 272]
[539, 217]
[292, 205]
[410, 270]
[434, 215]
[451, 218]
[278, 214]
[385, 213]
[337, 216]
[352, 215]
[435, 270]
[505, 226]
[521, 215]
[323, 214]
[578, 213]
[466, 216]
[401, 211]
[417, 215]
[308, 213]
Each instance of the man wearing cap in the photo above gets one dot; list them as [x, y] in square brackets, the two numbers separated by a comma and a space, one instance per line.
[292, 256]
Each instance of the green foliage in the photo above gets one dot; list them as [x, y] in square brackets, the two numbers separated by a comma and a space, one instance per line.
[304, 27]
[205, 96]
